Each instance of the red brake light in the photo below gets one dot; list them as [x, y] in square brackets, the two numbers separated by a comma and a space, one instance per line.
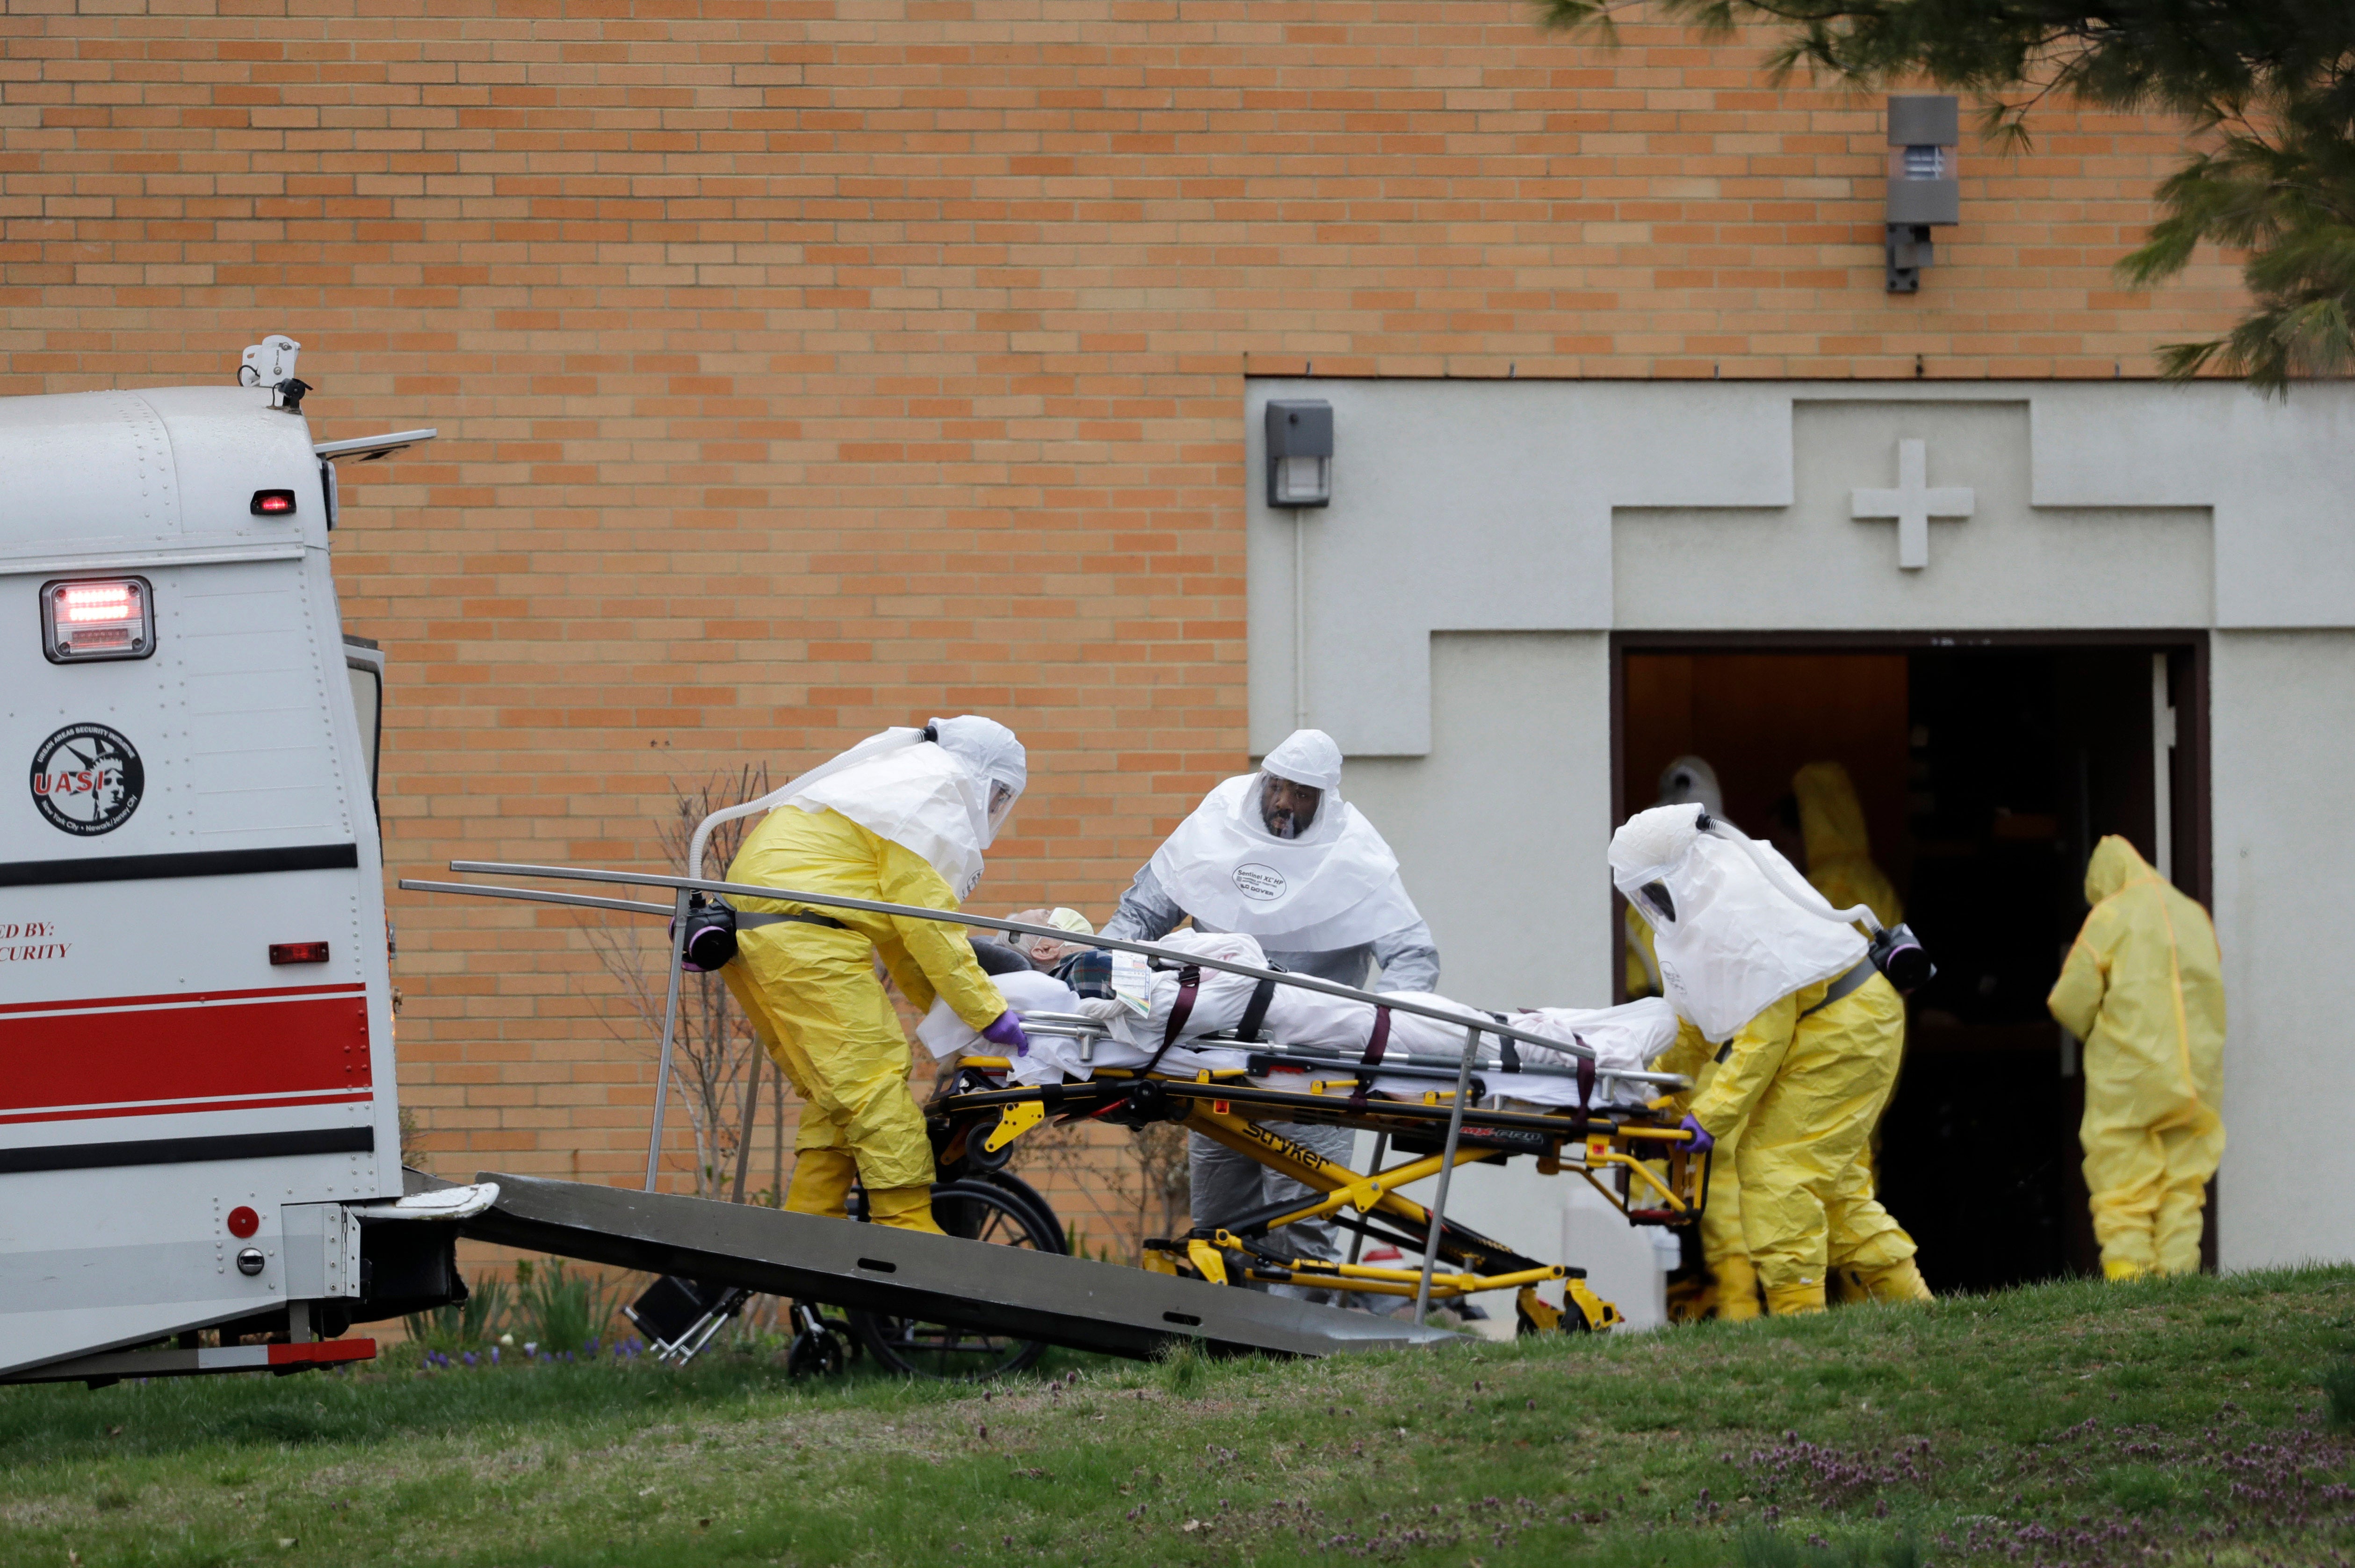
[273, 502]
[96, 618]
[298, 952]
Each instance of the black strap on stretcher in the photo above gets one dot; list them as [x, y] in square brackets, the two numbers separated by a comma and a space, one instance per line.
[1255, 1012]
[1189, 986]
[1508, 1054]
[1377, 1041]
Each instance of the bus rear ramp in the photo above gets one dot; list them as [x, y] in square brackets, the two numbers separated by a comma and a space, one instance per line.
[1068, 1301]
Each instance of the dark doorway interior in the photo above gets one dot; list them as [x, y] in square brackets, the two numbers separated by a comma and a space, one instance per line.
[1986, 772]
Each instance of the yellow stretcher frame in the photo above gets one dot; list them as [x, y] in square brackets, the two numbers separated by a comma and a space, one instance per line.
[1640, 1152]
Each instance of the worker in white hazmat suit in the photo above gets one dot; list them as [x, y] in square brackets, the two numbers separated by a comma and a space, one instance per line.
[1279, 856]
[1687, 779]
[901, 818]
[1807, 1035]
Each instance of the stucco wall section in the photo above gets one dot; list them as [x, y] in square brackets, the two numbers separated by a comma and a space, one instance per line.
[2283, 861]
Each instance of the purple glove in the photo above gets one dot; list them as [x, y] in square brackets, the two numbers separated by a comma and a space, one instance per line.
[1701, 1141]
[1006, 1031]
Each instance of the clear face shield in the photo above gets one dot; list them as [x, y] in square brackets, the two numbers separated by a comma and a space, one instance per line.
[1002, 797]
[1287, 809]
[1650, 896]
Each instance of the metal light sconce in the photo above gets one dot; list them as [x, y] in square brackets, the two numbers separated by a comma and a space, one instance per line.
[1300, 453]
[1924, 129]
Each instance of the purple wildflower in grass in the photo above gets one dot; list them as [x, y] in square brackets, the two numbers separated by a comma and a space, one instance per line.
[495, 1355]
[470, 1358]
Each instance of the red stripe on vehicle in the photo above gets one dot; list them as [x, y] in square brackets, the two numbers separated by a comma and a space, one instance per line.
[182, 997]
[184, 1107]
[237, 1051]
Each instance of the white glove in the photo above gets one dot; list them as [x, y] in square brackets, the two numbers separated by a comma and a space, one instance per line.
[1103, 1009]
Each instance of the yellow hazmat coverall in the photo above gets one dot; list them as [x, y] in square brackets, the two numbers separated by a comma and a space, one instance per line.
[2143, 987]
[821, 1012]
[1839, 866]
[1801, 1088]
[1840, 854]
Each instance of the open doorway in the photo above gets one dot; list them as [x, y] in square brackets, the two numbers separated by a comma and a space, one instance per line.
[1986, 769]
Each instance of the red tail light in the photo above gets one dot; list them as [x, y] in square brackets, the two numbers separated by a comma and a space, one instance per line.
[298, 952]
[105, 617]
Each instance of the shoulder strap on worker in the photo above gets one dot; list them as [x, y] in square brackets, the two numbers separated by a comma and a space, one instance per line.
[1847, 985]
[748, 920]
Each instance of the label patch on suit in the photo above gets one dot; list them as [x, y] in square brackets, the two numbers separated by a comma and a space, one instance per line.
[1259, 882]
[87, 779]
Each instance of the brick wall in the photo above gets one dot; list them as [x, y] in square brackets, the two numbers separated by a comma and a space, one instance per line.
[806, 367]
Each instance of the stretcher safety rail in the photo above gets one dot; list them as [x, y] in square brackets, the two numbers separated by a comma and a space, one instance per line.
[1175, 956]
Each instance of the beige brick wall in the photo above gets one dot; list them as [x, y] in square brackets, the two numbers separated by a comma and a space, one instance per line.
[806, 367]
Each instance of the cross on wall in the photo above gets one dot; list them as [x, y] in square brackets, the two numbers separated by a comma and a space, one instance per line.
[1912, 504]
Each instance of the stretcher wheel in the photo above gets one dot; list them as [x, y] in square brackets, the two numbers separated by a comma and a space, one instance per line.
[820, 1353]
[1042, 1211]
[978, 1210]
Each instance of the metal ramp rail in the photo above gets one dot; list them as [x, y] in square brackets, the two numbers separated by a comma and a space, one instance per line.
[1028, 1295]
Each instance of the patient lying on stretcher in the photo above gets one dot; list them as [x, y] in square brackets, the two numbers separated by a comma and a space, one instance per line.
[1624, 1039]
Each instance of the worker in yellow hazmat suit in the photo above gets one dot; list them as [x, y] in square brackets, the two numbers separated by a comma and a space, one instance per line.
[1839, 866]
[1839, 854]
[2143, 987]
[902, 818]
[1806, 1033]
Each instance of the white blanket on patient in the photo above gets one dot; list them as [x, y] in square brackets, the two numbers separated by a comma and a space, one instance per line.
[1622, 1038]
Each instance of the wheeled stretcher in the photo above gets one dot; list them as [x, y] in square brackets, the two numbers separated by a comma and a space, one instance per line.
[1232, 1085]
[1642, 1163]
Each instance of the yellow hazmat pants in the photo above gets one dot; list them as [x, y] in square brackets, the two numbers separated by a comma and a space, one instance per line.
[815, 995]
[2149, 1187]
[1808, 1204]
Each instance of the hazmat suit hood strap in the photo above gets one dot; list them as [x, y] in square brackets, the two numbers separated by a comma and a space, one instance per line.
[917, 796]
[2115, 865]
[1336, 886]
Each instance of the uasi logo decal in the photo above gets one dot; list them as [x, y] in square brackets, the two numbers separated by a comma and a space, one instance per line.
[87, 778]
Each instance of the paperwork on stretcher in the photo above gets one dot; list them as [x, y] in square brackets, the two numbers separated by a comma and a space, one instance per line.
[1624, 1039]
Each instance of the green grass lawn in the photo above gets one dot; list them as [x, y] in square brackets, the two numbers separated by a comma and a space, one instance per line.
[2185, 1421]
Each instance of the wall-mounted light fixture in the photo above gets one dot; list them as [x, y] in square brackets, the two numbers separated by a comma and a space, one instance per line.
[1924, 129]
[1300, 453]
